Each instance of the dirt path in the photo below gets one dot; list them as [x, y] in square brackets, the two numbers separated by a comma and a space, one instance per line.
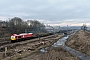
[80, 41]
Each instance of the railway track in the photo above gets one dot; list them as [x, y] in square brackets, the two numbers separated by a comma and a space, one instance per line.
[5, 42]
[10, 45]
[9, 41]
[24, 48]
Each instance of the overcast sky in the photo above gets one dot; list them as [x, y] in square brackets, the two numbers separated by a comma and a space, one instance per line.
[53, 12]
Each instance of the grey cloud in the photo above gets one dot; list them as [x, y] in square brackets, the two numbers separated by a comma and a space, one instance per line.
[52, 11]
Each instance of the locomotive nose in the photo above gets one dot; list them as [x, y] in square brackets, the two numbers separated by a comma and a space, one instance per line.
[13, 38]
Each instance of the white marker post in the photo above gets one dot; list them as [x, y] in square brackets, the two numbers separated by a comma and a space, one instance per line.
[5, 51]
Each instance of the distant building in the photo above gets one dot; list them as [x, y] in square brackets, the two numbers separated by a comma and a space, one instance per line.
[49, 29]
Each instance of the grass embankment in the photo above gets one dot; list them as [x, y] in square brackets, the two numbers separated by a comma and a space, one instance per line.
[80, 41]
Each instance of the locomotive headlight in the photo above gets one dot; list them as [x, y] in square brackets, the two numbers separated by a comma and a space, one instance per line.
[13, 38]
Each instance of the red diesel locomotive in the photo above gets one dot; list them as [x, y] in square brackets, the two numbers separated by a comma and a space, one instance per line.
[16, 37]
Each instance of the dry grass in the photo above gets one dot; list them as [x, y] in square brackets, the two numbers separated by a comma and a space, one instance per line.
[80, 41]
[56, 53]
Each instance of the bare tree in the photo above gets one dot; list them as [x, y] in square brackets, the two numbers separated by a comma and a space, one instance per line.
[15, 25]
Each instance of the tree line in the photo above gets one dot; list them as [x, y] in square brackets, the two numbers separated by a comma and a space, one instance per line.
[17, 25]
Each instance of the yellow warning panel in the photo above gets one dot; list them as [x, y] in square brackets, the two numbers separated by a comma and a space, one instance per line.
[13, 38]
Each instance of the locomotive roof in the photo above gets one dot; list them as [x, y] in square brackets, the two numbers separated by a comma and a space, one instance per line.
[22, 34]
[25, 33]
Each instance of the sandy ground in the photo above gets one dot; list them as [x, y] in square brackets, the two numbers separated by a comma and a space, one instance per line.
[80, 41]
[57, 53]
